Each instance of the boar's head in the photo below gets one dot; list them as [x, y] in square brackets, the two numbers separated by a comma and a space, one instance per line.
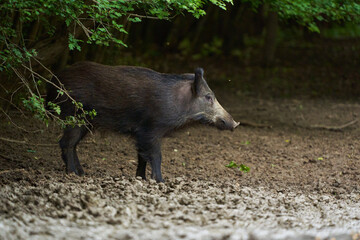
[205, 107]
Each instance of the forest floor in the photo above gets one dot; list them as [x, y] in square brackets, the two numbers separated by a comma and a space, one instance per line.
[303, 181]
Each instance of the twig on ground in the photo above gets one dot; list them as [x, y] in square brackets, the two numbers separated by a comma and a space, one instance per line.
[12, 170]
[12, 140]
[25, 142]
[34, 144]
[6, 157]
[19, 127]
[333, 128]
[255, 125]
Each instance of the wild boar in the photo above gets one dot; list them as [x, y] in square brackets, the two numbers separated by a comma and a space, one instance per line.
[137, 101]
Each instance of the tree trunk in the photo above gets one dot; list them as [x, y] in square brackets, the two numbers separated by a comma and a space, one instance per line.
[271, 32]
[51, 49]
[61, 64]
[80, 56]
[34, 32]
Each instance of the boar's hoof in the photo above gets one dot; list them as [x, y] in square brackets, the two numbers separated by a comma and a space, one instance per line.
[160, 180]
[143, 177]
[77, 170]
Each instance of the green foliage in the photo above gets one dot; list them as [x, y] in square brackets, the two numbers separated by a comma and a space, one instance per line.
[54, 107]
[74, 43]
[240, 167]
[36, 105]
[342, 31]
[309, 12]
[106, 18]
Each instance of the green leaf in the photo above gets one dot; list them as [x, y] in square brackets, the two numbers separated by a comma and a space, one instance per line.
[74, 43]
[244, 168]
[232, 164]
[312, 27]
[240, 167]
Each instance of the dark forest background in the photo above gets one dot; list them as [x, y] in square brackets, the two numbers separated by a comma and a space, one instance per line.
[244, 51]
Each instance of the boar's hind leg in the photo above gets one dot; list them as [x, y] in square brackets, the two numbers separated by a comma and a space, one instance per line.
[71, 137]
[149, 150]
[141, 168]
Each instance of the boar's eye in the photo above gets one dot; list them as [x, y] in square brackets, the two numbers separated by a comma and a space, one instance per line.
[209, 98]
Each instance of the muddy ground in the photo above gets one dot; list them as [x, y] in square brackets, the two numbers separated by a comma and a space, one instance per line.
[303, 181]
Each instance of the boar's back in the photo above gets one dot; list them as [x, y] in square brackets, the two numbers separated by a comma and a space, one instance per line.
[124, 97]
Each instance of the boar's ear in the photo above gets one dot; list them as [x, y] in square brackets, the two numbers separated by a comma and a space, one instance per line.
[199, 74]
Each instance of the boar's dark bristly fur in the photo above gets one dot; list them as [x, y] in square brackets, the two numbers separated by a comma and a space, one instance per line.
[135, 100]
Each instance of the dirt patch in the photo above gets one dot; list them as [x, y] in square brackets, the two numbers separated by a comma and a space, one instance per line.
[303, 182]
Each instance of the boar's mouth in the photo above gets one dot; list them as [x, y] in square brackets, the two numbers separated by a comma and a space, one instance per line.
[220, 122]
[226, 124]
[219, 118]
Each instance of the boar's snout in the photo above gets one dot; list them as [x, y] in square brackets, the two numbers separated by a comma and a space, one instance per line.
[226, 123]
[223, 120]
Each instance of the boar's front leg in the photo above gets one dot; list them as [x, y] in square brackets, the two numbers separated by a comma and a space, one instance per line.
[149, 150]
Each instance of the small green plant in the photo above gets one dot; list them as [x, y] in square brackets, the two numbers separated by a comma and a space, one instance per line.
[241, 167]
[244, 168]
